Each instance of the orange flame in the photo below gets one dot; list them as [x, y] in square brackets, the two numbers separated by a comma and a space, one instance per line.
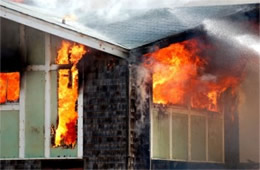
[70, 17]
[66, 132]
[9, 87]
[177, 77]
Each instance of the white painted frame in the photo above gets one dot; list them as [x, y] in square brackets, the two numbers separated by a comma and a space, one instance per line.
[189, 112]
[21, 105]
[47, 68]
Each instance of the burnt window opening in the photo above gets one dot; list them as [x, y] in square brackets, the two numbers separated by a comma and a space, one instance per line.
[29, 55]
[183, 74]
[65, 133]
[11, 63]
[189, 80]
[9, 87]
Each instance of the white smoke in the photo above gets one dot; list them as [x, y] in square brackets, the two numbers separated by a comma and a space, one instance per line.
[234, 33]
[249, 41]
[115, 10]
[108, 10]
[140, 82]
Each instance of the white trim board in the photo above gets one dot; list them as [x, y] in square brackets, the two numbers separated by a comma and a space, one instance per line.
[61, 30]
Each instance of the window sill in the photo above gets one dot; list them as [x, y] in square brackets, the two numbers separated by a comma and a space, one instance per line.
[10, 106]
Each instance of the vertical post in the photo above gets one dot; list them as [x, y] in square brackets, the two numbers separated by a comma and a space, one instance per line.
[231, 130]
[223, 138]
[80, 122]
[189, 136]
[22, 97]
[129, 156]
[207, 137]
[151, 107]
[47, 96]
[170, 131]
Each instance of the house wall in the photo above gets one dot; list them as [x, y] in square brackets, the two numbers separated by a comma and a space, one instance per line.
[249, 114]
[139, 119]
[105, 111]
[104, 79]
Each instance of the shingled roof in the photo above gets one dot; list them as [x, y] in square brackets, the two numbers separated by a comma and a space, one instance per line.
[117, 38]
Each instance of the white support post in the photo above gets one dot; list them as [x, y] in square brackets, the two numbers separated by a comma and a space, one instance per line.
[80, 122]
[189, 137]
[223, 138]
[47, 96]
[207, 137]
[170, 131]
[22, 98]
[151, 109]
[22, 118]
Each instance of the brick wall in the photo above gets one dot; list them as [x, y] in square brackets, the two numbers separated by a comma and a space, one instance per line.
[105, 111]
[20, 164]
[139, 118]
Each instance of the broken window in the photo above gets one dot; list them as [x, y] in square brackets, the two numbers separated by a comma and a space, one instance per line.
[187, 118]
[38, 96]
[66, 131]
[9, 87]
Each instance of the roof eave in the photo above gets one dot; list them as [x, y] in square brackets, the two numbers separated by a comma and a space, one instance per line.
[63, 32]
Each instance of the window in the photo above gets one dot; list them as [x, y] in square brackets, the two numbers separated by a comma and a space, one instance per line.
[187, 121]
[187, 135]
[29, 100]
[9, 87]
[10, 98]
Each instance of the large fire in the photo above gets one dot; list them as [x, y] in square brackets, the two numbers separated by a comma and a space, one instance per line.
[179, 77]
[9, 87]
[66, 132]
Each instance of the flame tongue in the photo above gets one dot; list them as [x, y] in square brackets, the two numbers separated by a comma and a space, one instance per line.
[177, 77]
[66, 133]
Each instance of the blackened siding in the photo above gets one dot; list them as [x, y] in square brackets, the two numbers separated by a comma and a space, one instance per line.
[105, 112]
[139, 152]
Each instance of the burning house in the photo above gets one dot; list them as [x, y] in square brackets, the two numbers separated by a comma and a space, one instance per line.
[178, 92]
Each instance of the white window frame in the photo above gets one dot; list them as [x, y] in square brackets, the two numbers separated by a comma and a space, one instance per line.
[21, 105]
[190, 112]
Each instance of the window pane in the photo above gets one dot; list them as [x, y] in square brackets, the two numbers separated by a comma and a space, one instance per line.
[10, 38]
[58, 151]
[9, 134]
[198, 138]
[9, 87]
[215, 139]
[55, 46]
[3, 87]
[180, 136]
[13, 86]
[35, 42]
[34, 114]
[161, 137]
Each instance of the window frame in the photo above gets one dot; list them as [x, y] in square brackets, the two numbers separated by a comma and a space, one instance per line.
[189, 112]
[20, 105]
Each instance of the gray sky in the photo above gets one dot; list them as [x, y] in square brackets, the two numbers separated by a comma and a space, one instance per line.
[137, 4]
